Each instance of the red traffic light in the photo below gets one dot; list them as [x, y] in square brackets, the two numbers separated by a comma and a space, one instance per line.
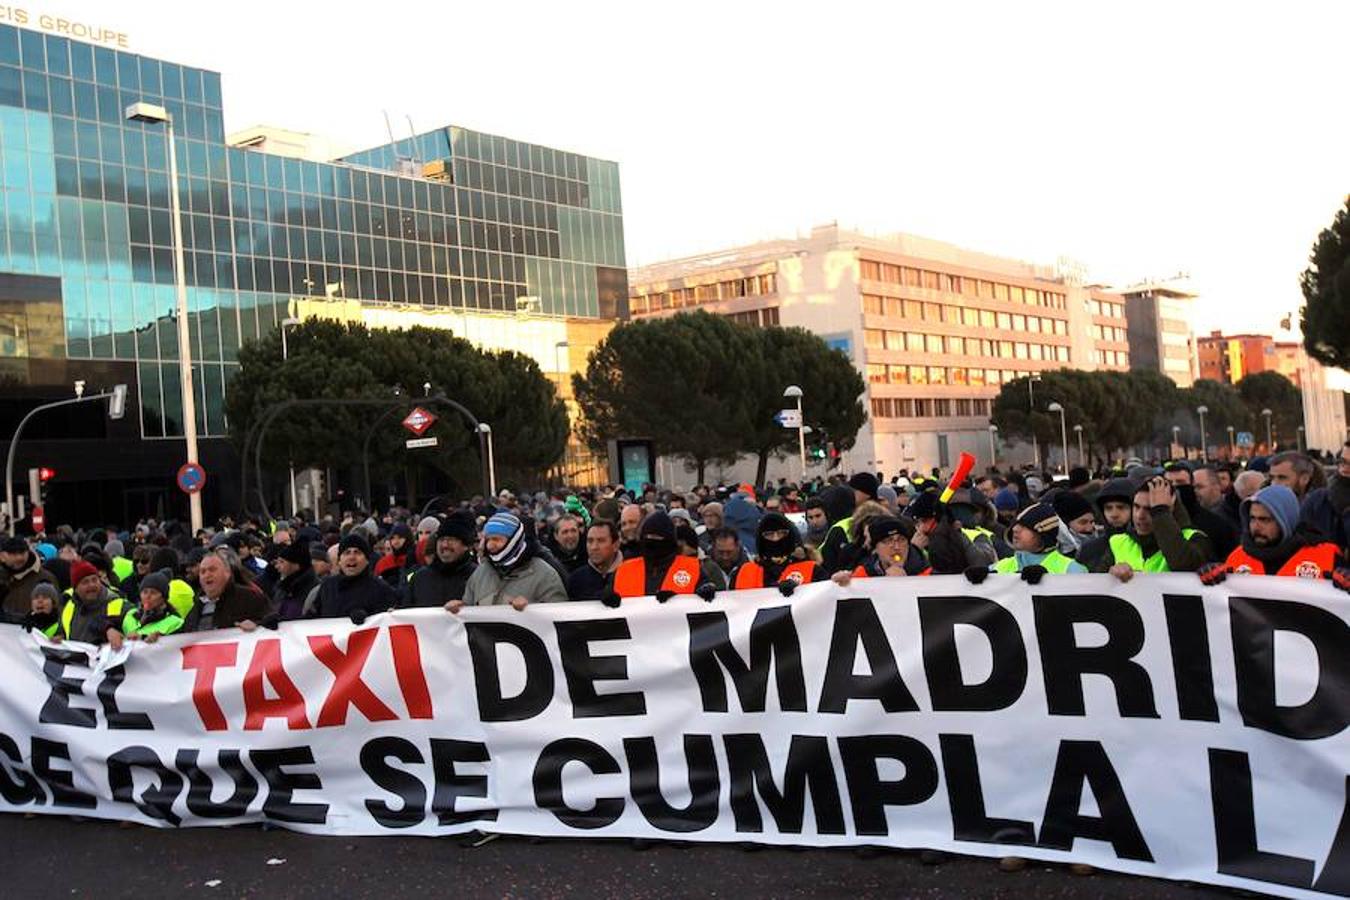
[46, 474]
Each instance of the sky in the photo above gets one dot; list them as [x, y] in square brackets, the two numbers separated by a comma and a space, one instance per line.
[1140, 139]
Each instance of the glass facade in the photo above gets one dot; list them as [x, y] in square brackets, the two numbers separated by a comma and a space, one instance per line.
[85, 203]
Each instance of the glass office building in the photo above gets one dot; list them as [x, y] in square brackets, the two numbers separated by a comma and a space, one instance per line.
[451, 218]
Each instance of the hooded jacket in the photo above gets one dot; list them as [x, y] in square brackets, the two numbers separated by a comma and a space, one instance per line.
[1094, 549]
[1295, 534]
[838, 504]
[742, 516]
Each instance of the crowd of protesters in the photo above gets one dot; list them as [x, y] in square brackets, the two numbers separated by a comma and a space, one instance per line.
[1282, 515]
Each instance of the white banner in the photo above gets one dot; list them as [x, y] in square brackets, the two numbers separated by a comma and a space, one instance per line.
[1157, 727]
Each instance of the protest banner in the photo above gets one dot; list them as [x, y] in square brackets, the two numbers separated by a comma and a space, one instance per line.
[1155, 727]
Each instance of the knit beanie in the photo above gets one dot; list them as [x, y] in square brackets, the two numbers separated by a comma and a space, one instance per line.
[48, 590]
[157, 581]
[355, 540]
[80, 570]
[1040, 518]
[865, 482]
[1006, 500]
[881, 528]
[296, 553]
[1069, 505]
[458, 525]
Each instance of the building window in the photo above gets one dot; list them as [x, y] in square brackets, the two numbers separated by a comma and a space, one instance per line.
[876, 373]
[898, 374]
[874, 338]
[871, 270]
[873, 304]
[942, 407]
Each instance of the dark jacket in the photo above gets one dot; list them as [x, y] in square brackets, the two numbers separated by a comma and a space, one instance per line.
[570, 562]
[237, 604]
[1223, 537]
[341, 595]
[19, 585]
[589, 583]
[288, 597]
[437, 583]
[1327, 510]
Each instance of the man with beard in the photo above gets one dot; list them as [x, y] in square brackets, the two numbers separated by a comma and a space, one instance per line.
[22, 571]
[659, 571]
[566, 543]
[1273, 544]
[781, 559]
[452, 563]
[354, 592]
[1159, 537]
[514, 573]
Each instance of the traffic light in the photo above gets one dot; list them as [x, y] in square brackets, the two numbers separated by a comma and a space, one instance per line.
[45, 474]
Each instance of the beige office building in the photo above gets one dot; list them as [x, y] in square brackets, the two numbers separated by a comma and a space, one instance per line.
[935, 329]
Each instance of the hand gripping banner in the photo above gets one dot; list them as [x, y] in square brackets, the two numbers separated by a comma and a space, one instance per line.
[1155, 727]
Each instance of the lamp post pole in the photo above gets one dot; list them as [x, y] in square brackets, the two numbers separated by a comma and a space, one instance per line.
[1270, 442]
[795, 392]
[1204, 445]
[1063, 432]
[993, 449]
[486, 431]
[147, 112]
[290, 466]
[1035, 441]
[1082, 457]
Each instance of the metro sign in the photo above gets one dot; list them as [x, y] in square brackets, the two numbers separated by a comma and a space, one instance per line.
[418, 421]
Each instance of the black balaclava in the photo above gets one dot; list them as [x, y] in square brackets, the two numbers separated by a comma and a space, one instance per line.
[776, 550]
[657, 537]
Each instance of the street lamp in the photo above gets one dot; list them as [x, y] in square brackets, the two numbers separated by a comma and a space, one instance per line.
[1204, 448]
[795, 393]
[486, 431]
[1176, 439]
[1063, 432]
[150, 113]
[1232, 443]
[1082, 457]
[290, 466]
[1270, 443]
[993, 451]
[1035, 441]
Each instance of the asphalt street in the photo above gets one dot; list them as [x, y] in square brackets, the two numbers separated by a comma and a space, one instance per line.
[52, 856]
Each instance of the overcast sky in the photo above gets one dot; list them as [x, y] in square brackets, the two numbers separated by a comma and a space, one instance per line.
[1158, 138]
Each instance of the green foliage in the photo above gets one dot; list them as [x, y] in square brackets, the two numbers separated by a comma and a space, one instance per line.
[702, 387]
[332, 360]
[1325, 318]
[1272, 391]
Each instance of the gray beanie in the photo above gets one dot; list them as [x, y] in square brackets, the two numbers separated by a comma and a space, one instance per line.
[158, 581]
[48, 590]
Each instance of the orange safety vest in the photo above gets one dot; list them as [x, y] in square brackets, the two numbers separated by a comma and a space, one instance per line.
[1310, 562]
[861, 572]
[751, 575]
[681, 578]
